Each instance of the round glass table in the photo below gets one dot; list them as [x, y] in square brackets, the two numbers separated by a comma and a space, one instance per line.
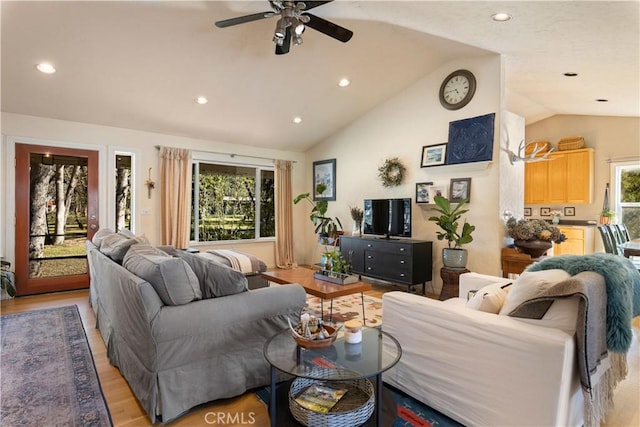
[378, 352]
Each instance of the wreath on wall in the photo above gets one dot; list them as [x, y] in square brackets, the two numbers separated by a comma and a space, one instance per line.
[391, 173]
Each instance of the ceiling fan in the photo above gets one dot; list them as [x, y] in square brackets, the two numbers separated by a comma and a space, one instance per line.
[293, 20]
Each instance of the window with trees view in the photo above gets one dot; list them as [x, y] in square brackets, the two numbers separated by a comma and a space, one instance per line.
[626, 179]
[232, 202]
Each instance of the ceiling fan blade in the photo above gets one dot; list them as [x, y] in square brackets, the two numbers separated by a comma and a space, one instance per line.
[286, 43]
[243, 19]
[312, 4]
[329, 28]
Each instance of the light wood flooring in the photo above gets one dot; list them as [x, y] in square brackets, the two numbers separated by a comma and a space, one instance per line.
[247, 409]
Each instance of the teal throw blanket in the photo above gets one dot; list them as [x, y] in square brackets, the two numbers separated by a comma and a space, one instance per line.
[623, 290]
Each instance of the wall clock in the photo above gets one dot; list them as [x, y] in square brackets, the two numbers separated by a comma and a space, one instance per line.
[457, 89]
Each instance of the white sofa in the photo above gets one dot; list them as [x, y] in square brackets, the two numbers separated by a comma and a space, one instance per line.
[482, 369]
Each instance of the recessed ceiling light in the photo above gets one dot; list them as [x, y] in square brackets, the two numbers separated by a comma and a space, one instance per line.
[297, 119]
[45, 67]
[501, 17]
[571, 74]
[602, 100]
[344, 82]
[201, 100]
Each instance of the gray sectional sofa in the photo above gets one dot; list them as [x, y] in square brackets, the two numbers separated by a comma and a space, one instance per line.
[183, 330]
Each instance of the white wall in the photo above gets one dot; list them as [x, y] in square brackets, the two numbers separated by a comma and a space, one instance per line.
[400, 128]
[29, 129]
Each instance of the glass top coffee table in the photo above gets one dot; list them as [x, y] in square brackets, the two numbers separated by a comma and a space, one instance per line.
[341, 361]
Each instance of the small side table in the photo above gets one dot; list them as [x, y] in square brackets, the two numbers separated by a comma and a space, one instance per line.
[450, 282]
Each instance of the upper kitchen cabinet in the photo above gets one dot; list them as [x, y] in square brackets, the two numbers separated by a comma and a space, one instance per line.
[566, 177]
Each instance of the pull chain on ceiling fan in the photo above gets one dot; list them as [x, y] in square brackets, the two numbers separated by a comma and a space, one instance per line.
[293, 20]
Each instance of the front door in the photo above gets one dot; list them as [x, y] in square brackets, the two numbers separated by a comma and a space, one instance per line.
[56, 211]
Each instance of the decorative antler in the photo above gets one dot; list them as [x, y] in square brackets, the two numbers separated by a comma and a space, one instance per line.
[523, 157]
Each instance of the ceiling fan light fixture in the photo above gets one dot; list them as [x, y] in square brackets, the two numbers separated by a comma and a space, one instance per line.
[299, 29]
[297, 40]
[297, 120]
[202, 100]
[344, 82]
[281, 28]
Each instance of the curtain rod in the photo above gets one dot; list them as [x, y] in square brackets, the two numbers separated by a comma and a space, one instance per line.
[232, 155]
[622, 159]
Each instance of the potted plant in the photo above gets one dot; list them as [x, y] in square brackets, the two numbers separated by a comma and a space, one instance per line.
[606, 216]
[7, 278]
[535, 236]
[357, 216]
[326, 227]
[453, 256]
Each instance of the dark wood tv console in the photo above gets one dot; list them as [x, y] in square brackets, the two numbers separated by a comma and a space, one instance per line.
[404, 261]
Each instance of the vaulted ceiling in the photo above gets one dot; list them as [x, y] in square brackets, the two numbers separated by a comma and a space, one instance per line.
[141, 65]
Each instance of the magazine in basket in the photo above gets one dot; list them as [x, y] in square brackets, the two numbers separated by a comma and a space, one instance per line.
[320, 398]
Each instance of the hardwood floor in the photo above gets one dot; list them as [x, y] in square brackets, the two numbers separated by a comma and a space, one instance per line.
[247, 409]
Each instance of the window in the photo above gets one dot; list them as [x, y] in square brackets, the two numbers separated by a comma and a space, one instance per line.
[626, 194]
[225, 205]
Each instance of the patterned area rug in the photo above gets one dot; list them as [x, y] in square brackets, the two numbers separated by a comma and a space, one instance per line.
[48, 373]
[347, 308]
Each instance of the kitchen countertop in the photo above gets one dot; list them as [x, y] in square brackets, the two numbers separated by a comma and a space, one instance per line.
[577, 222]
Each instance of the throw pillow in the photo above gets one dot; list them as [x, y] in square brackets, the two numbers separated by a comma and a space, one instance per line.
[216, 279]
[171, 277]
[115, 246]
[489, 298]
[128, 233]
[100, 235]
[531, 284]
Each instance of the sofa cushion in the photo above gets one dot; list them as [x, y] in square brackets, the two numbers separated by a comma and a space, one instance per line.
[531, 284]
[489, 299]
[171, 277]
[100, 235]
[216, 279]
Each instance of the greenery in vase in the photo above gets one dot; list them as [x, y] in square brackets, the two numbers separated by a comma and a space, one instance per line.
[7, 278]
[534, 229]
[448, 222]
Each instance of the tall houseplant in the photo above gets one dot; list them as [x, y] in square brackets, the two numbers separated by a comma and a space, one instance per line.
[453, 256]
[325, 226]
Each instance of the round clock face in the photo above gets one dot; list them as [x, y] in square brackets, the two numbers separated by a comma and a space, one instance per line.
[457, 89]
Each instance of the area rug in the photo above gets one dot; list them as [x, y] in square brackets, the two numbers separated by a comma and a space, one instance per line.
[398, 409]
[347, 308]
[48, 373]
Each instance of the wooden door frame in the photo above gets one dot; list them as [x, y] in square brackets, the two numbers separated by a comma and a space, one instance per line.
[22, 223]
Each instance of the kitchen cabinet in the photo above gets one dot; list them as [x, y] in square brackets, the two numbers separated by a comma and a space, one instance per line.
[566, 177]
[580, 241]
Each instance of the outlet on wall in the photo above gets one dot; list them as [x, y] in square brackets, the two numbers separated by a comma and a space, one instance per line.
[145, 211]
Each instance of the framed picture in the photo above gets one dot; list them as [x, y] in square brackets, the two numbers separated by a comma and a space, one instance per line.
[569, 211]
[437, 190]
[527, 211]
[545, 211]
[433, 155]
[324, 172]
[460, 190]
[471, 140]
[423, 192]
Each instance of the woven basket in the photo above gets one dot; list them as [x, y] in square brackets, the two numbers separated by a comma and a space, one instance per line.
[571, 143]
[530, 146]
[354, 409]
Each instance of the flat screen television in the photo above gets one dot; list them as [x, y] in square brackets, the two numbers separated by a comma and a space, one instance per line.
[387, 217]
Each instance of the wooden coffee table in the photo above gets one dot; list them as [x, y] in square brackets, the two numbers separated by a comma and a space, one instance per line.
[316, 287]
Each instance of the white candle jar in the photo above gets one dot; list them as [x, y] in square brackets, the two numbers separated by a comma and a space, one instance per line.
[353, 331]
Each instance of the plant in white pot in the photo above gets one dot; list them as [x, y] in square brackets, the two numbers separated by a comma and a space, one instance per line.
[453, 256]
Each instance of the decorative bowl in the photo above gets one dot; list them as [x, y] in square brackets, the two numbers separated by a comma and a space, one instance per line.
[321, 343]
